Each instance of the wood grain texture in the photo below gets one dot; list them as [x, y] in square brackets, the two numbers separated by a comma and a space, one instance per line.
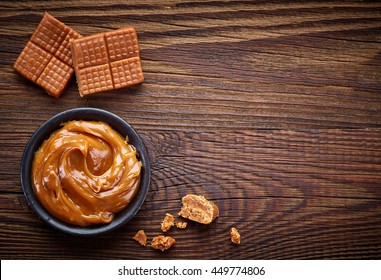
[270, 109]
[312, 194]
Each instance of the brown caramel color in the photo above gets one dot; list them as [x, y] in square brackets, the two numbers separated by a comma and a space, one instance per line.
[46, 58]
[197, 208]
[107, 61]
[181, 225]
[140, 237]
[235, 237]
[168, 222]
[162, 242]
[85, 173]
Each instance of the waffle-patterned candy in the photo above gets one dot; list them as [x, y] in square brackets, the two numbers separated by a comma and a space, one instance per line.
[107, 61]
[46, 58]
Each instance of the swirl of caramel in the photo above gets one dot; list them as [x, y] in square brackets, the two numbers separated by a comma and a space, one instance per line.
[85, 173]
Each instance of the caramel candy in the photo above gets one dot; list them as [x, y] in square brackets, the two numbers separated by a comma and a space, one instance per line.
[140, 237]
[197, 208]
[181, 225]
[168, 222]
[46, 59]
[162, 242]
[235, 237]
[107, 61]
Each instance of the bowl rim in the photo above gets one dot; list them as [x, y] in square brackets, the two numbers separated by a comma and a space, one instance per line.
[51, 125]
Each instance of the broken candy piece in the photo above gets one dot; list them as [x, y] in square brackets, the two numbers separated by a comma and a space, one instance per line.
[197, 208]
[162, 242]
[181, 225]
[235, 237]
[141, 237]
[107, 61]
[168, 222]
[46, 58]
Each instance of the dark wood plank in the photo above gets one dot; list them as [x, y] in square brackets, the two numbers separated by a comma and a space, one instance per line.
[214, 64]
[292, 194]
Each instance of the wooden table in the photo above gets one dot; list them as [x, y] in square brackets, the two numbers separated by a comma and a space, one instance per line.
[271, 110]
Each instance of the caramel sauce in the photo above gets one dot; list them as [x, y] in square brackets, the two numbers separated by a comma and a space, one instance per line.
[85, 173]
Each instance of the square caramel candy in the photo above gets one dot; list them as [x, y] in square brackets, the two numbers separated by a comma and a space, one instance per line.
[46, 58]
[107, 61]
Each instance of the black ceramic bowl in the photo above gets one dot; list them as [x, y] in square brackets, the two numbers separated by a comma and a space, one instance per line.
[44, 132]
